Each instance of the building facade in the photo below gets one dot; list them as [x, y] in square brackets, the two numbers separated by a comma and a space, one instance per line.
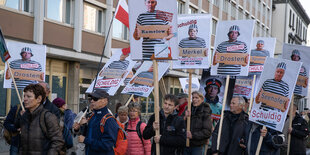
[75, 31]
[290, 25]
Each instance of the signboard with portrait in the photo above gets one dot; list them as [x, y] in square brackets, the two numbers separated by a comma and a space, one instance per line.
[153, 29]
[114, 72]
[232, 48]
[274, 93]
[185, 84]
[194, 34]
[27, 63]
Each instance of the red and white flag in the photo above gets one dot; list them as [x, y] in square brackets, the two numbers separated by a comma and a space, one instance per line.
[121, 12]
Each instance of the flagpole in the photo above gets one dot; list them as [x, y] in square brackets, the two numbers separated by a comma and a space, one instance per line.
[105, 44]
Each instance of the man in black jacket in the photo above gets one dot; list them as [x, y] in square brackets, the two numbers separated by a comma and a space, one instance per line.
[172, 136]
[47, 103]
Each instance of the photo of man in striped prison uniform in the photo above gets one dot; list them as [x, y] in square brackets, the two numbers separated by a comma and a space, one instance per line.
[192, 41]
[144, 74]
[150, 17]
[276, 85]
[234, 32]
[25, 63]
[302, 72]
[260, 52]
[121, 64]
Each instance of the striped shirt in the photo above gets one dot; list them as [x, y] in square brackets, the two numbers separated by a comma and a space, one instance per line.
[119, 64]
[263, 53]
[272, 86]
[192, 43]
[149, 18]
[230, 69]
[302, 72]
[144, 74]
[20, 64]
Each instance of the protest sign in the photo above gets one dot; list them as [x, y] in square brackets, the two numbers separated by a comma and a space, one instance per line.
[232, 48]
[185, 84]
[114, 72]
[142, 82]
[274, 93]
[299, 53]
[194, 34]
[27, 63]
[153, 29]
[261, 48]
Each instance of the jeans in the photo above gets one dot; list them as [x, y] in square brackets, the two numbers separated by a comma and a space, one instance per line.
[194, 150]
[13, 150]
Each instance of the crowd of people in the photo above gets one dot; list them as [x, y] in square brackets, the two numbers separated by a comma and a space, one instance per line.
[45, 127]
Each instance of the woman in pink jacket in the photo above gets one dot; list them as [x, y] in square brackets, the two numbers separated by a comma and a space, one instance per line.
[136, 144]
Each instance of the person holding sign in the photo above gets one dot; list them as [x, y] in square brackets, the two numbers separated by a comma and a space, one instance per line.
[156, 19]
[234, 123]
[201, 124]
[25, 70]
[302, 73]
[172, 136]
[274, 92]
[234, 47]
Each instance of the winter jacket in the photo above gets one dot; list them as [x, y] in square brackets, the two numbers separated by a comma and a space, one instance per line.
[34, 140]
[172, 131]
[9, 124]
[232, 132]
[69, 118]
[268, 146]
[201, 124]
[98, 143]
[298, 135]
[48, 105]
[135, 145]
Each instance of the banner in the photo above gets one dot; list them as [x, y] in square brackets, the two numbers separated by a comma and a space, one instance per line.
[153, 29]
[194, 34]
[232, 48]
[274, 93]
[27, 64]
[114, 72]
[184, 83]
[142, 82]
[299, 53]
[260, 49]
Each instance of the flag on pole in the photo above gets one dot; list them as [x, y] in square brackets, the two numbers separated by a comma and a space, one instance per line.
[121, 12]
[4, 53]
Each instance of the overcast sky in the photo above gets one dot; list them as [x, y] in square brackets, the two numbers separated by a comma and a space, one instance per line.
[305, 4]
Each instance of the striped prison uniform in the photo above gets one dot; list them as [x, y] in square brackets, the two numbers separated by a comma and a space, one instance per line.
[230, 69]
[298, 89]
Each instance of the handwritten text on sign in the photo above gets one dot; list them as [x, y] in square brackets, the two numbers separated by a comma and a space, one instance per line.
[154, 31]
[143, 81]
[257, 59]
[112, 73]
[27, 74]
[302, 81]
[274, 100]
[193, 52]
[101, 83]
[232, 58]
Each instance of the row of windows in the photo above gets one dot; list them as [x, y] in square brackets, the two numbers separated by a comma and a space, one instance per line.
[301, 30]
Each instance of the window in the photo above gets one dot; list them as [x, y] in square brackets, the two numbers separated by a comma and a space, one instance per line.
[240, 14]
[60, 10]
[192, 10]
[216, 3]
[22, 5]
[181, 7]
[290, 19]
[120, 30]
[293, 21]
[225, 6]
[233, 10]
[93, 18]
[214, 23]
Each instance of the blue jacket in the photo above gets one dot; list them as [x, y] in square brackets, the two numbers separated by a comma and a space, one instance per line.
[98, 143]
[69, 118]
[9, 125]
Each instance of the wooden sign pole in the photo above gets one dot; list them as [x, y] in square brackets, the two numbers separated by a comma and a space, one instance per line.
[222, 113]
[156, 101]
[260, 141]
[189, 104]
[130, 98]
[252, 95]
[290, 125]
[12, 76]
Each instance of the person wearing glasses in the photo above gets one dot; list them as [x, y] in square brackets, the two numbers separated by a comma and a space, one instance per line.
[97, 142]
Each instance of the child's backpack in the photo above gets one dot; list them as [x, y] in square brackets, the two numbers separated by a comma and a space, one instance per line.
[121, 141]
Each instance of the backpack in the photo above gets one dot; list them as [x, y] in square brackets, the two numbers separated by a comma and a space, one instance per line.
[8, 134]
[138, 130]
[121, 141]
[66, 132]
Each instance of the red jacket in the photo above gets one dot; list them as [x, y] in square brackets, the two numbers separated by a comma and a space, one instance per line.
[135, 145]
